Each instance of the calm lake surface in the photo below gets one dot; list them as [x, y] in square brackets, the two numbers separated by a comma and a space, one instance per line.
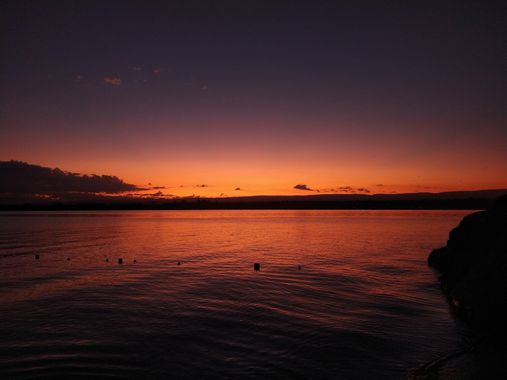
[363, 306]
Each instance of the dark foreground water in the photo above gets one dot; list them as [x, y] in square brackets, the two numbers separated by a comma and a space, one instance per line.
[363, 306]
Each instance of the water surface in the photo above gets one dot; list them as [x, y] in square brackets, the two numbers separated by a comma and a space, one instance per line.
[363, 306]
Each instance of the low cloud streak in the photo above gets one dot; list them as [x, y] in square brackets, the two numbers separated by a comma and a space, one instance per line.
[302, 187]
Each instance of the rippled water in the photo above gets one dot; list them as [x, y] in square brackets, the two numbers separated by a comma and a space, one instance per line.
[363, 306]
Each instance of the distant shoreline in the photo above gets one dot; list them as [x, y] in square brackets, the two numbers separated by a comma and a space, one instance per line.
[458, 200]
[456, 205]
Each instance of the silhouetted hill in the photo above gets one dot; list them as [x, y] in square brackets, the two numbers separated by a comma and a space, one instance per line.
[450, 195]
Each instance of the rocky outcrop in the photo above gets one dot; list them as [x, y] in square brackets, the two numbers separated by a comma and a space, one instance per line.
[473, 265]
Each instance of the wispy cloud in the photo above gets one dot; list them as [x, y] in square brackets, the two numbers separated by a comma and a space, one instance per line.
[348, 189]
[113, 81]
[158, 194]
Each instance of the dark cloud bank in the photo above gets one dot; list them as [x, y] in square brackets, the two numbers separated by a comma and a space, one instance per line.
[18, 177]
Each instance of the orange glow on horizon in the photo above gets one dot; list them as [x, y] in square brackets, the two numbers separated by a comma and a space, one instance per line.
[266, 163]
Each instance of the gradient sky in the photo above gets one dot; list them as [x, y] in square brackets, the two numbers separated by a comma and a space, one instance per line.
[261, 96]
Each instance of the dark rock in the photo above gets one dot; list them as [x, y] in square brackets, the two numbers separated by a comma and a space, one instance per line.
[474, 270]
[178, 263]
[438, 259]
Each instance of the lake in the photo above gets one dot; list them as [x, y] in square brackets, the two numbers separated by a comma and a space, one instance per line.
[362, 305]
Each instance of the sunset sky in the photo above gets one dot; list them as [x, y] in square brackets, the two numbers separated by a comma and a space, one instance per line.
[252, 97]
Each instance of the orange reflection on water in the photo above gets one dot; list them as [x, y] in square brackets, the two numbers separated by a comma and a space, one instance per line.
[373, 247]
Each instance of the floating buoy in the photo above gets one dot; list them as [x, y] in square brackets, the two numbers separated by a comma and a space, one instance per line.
[257, 266]
[299, 267]
[120, 261]
[37, 257]
[135, 260]
[68, 258]
[107, 260]
[178, 263]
